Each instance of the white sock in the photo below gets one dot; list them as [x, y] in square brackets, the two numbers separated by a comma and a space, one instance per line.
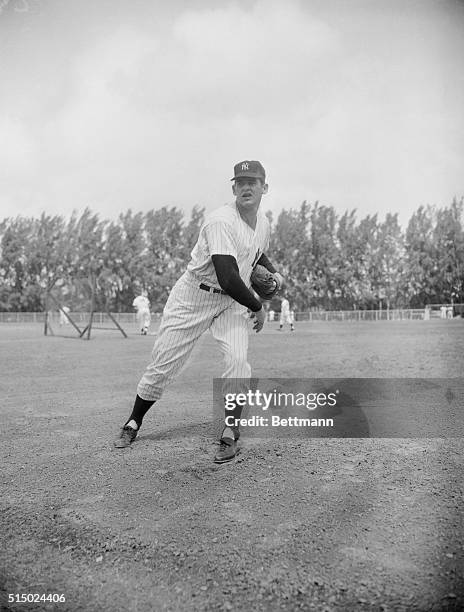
[228, 433]
[132, 424]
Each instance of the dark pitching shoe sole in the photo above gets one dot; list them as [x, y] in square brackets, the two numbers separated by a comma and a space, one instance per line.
[126, 437]
[227, 452]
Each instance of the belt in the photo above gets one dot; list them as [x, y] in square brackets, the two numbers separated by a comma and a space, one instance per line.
[211, 289]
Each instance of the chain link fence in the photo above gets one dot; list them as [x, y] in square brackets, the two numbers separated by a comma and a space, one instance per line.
[124, 318]
[435, 311]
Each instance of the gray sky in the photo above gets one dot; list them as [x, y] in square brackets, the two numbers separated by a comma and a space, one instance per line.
[111, 104]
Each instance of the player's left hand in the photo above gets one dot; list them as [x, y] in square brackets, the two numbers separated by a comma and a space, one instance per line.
[263, 282]
[279, 280]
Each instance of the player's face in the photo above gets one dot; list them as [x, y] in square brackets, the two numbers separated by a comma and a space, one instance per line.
[249, 191]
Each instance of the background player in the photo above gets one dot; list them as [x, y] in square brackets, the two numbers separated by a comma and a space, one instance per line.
[214, 293]
[142, 305]
[63, 318]
[286, 315]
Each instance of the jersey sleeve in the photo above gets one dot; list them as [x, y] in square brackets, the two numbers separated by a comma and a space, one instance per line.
[220, 239]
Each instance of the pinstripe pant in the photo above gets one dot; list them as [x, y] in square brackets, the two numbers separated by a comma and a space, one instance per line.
[188, 313]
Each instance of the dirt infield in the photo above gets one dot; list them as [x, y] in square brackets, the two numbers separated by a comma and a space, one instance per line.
[292, 524]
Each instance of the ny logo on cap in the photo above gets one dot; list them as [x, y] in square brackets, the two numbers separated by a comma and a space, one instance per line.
[245, 166]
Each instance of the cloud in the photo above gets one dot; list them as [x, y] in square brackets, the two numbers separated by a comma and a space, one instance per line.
[228, 61]
[141, 116]
[20, 147]
[148, 112]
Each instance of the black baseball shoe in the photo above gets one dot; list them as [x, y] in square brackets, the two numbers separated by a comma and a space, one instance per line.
[227, 450]
[126, 437]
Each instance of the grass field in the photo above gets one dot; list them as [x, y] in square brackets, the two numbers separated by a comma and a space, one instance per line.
[307, 524]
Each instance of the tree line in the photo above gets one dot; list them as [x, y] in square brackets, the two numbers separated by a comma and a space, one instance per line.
[331, 261]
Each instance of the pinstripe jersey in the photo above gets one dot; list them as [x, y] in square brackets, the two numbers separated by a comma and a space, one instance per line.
[224, 232]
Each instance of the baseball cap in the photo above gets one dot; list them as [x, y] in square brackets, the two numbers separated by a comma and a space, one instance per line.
[249, 169]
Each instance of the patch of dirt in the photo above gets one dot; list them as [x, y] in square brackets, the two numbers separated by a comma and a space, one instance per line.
[294, 523]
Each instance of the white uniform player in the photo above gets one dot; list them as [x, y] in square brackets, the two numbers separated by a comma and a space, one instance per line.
[213, 294]
[142, 305]
[286, 315]
[63, 318]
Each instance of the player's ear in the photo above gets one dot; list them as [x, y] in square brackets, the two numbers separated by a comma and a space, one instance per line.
[265, 188]
[234, 191]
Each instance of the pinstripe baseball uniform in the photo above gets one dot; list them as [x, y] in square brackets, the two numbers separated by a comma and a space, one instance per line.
[196, 303]
[213, 294]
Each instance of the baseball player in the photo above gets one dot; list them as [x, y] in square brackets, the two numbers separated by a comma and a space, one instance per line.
[142, 305]
[213, 294]
[286, 315]
[63, 318]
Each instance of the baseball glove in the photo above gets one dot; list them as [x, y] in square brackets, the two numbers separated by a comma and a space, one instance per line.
[264, 282]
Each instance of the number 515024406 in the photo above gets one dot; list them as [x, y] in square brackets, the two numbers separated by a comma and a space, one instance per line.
[35, 597]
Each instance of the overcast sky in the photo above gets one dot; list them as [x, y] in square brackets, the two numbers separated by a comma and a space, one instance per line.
[144, 103]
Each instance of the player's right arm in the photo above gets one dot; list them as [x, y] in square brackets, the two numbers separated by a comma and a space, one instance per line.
[223, 249]
[228, 276]
[229, 280]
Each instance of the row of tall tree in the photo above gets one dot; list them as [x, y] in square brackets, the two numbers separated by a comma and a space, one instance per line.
[330, 261]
